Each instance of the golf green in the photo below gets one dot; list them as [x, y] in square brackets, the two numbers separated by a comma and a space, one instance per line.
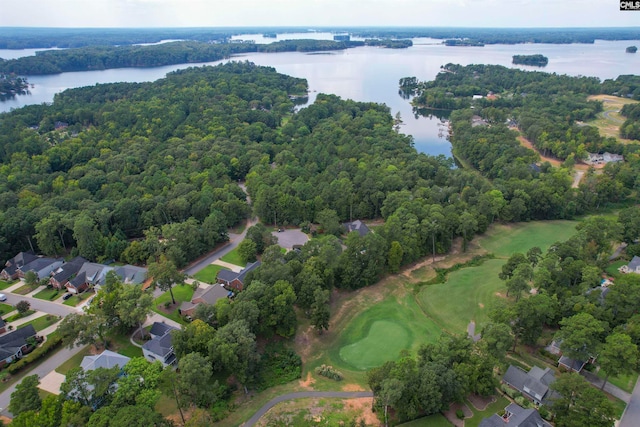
[384, 341]
[381, 332]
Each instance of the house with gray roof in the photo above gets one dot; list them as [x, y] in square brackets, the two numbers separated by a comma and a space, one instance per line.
[632, 267]
[12, 266]
[41, 266]
[205, 294]
[235, 280]
[515, 416]
[358, 226]
[131, 275]
[89, 275]
[160, 347]
[61, 276]
[14, 344]
[107, 359]
[533, 384]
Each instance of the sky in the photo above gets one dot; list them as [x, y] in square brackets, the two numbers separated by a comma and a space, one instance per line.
[310, 13]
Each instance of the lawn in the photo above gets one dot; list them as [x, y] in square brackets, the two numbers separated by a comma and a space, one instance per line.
[478, 416]
[209, 273]
[465, 296]
[77, 299]
[19, 316]
[5, 308]
[233, 257]
[47, 294]
[625, 382]
[4, 285]
[122, 344]
[181, 293]
[74, 361]
[505, 240]
[41, 322]
[612, 269]
[25, 289]
[381, 332]
[437, 420]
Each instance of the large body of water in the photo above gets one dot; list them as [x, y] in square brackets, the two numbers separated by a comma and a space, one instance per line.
[371, 74]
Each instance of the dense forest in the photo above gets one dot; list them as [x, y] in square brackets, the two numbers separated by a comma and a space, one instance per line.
[536, 60]
[182, 52]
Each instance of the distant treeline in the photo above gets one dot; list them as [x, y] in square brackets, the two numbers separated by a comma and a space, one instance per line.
[23, 38]
[185, 52]
[536, 60]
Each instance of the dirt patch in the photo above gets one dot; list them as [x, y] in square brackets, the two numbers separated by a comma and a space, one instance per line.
[481, 402]
[362, 406]
[308, 382]
[451, 416]
[499, 295]
[481, 305]
[352, 387]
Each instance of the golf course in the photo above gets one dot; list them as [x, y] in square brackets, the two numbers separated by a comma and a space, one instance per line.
[405, 314]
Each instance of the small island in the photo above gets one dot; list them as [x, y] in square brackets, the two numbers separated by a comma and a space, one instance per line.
[631, 49]
[535, 60]
[12, 85]
[463, 42]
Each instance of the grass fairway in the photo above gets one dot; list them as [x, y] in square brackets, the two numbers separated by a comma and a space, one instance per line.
[209, 273]
[608, 122]
[463, 297]
[381, 332]
[505, 240]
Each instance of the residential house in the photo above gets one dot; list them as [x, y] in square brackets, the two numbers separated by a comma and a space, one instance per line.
[65, 272]
[107, 359]
[565, 361]
[358, 226]
[14, 344]
[205, 294]
[515, 416]
[160, 347]
[12, 266]
[533, 384]
[131, 275]
[41, 266]
[89, 275]
[235, 280]
[597, 158]
[632, 267]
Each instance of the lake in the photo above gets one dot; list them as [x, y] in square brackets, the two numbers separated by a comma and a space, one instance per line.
[371, 74]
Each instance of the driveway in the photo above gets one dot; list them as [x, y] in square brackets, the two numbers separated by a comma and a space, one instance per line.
[290, 237]
[234, 241]
[631, 414]
[51, 363]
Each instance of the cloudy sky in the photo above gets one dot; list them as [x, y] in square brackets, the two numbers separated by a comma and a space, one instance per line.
[190, 13]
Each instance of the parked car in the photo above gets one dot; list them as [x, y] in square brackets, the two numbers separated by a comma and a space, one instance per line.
[3, 297]
[67, 296]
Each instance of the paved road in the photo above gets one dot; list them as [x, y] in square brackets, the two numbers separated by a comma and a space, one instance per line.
[51, 363]
[609, 388]
[42, 305]
[234, 241]
[304, 394]
[631, 415]
[607, 115]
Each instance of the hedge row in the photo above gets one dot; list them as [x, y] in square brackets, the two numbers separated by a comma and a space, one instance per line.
[53, 342]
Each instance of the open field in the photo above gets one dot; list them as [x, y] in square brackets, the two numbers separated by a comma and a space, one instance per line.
[609, 121]
[505, 240]
[209, 273]
[465, 296]
[381, 332]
